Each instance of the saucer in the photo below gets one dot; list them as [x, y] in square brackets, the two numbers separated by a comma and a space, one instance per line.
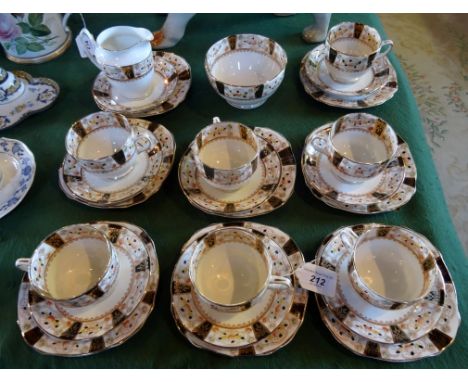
[102, 91]
[402, 349]
[269, 188]
[19, 167]
[260, 330]
[372, 81]
[150, 171]
[98, 318]
[375, 98]
[38, 94]
[388, 191]
[128, 324]
[377, 324]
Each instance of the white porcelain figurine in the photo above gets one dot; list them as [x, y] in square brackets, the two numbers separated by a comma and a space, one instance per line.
[174, 26]
[318, 31]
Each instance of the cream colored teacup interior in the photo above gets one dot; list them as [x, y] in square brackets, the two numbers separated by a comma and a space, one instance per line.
[342, 38]
[120, 40]
[363, 138]
[352, 46]
[76, 267]
[245, 68]
[103, 142]
[361, 146]
[390, 268]
[227, 153]
[232, 270]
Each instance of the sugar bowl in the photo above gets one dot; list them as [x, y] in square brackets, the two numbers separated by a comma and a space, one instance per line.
[245, 69]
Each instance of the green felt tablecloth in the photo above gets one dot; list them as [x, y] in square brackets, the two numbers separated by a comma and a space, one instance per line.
[170, 219]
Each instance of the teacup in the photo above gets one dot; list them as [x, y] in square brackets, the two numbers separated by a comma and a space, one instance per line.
[75, 265]
[226, 154]
[231, 270]
[359, 146]
[391, 266]
[11, 87]
[105, 143]
[351, 48]
[245, 69]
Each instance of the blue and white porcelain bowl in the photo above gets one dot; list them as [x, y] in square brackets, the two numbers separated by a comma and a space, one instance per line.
[17, 169]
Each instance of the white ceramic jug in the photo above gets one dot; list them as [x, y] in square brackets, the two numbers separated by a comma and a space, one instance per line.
[124, 54]
[34, 37]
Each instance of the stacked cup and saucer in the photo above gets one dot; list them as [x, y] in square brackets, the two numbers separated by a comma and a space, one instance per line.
[115, 162]
[87, 288]
[351, 69]
[234, 291]
[232, 170]
[134, 80]
[359, 164]
[395, 299]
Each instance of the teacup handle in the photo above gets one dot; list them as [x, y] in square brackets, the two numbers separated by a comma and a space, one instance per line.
[144, 143]
[279, 282]
[348, 239]
[23, 264]
[389, 47]
[319, 144]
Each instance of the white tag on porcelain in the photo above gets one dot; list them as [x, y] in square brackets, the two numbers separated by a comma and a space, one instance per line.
[317, 279]
[85, 43]
[80, 45]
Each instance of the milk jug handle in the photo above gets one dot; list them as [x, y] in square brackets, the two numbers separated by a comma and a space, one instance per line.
[66, 16]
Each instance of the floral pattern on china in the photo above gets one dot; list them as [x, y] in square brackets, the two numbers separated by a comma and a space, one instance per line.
[31, 35]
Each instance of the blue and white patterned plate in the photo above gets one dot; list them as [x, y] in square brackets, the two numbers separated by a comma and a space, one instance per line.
[18, 167]
[39, 94]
